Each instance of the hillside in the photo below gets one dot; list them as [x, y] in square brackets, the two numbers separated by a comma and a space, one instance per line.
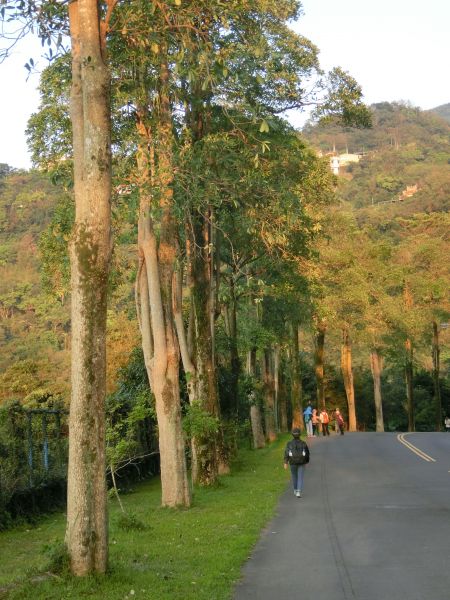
[33, 326]
[34, 300]
[405, 148]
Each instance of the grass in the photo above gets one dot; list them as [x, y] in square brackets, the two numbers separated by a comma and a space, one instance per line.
[158, 553]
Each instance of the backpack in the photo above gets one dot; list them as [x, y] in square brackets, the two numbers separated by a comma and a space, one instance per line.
[298, 452]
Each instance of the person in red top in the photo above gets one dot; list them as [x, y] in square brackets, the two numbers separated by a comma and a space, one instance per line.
[325, 420]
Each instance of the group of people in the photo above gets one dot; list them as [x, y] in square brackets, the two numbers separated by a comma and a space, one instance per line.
[296, 453]
[317, 422]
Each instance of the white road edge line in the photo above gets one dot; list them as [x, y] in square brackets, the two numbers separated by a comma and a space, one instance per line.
[420, 453]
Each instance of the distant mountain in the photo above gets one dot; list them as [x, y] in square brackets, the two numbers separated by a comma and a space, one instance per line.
[443, 111]
[394, 125]
[405, 148]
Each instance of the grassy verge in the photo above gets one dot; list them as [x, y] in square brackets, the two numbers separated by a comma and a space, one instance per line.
[164, 554]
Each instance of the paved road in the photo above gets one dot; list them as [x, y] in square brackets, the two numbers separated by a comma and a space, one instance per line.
[373, 524]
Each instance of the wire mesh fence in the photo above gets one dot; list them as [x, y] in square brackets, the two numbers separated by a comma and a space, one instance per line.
[33, 449]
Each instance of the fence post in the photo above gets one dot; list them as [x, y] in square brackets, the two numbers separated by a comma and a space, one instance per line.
[30, 448]
[45, 442]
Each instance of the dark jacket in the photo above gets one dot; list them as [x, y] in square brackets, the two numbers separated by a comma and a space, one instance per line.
[290, 446]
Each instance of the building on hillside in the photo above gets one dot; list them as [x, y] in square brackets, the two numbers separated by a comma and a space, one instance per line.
[334, 163]
[410, 191]
[342, 160]
[347, 158]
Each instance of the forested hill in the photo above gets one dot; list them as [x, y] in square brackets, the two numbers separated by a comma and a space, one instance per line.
[405, 148]
[35, 217]
[33, 326]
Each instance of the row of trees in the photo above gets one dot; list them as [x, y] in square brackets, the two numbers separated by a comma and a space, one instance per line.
[196, 91]
[388, 294]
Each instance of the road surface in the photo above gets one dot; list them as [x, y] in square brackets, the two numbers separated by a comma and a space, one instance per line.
[373, 524]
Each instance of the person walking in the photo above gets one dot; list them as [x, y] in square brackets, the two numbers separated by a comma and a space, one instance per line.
[307, 414]
[296, 456]
[447, 423]
[315, 422]
[325, 421]
[339, 422]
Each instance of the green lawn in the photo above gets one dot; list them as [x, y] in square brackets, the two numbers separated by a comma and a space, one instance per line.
[178, 554]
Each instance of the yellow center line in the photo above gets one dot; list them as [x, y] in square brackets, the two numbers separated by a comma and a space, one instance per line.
[420, 453]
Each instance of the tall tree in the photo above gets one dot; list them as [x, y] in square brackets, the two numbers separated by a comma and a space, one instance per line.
[90, 253]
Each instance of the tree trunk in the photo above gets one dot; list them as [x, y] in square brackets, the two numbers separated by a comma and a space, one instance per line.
[296, 383]
[347, 373]
[90, 253]
[409, 384]
[319, 364]
[235, 363]
[155, 292]
[376, 365]
[257, 429]
[276, 386]
[436, 372]
[269, 396]
[255, 410]
[206, 454]
[283, 404]
[408, 301]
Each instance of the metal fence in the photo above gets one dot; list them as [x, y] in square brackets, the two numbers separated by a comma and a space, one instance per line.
[33, 448]
[34, 455]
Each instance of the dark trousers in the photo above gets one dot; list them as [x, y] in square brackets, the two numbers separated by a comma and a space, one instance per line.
[325, 429]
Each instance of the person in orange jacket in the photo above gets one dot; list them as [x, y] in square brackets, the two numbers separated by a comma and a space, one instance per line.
[325, 420]
[315, 422]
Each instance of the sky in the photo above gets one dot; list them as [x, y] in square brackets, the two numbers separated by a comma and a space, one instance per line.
[395, 49]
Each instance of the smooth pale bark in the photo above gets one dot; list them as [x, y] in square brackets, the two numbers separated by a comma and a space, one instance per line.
[296, 383]
[257, 429]
[409, 384]
[255, 410]
[436, 371]
[90, 254]
[269, 396]
[376, 366]
[347, 374]
[154, 290]
[174, 480]
[319, 351]
[145, 175]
